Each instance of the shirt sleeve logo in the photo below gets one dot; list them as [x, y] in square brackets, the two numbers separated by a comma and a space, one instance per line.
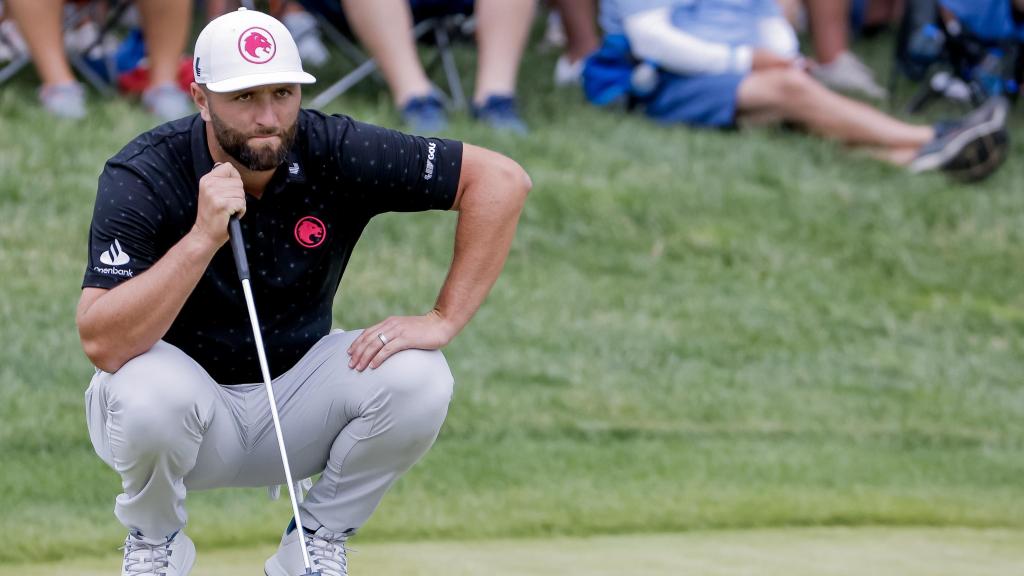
[116, 256]
[310, 232]
[256, 45]
[428, 173]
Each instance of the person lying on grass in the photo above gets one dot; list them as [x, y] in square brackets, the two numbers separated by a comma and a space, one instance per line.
[176, 403]
[723, 63]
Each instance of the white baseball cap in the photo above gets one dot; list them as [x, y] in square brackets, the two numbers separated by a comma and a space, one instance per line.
[244, 49]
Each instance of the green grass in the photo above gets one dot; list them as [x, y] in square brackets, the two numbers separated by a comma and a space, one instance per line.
[788, 552]
[695, 330]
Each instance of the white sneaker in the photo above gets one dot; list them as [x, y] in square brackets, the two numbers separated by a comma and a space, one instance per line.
[568, 73]
[327, 555]
[849, 74]
[305, 29]
[171, 557]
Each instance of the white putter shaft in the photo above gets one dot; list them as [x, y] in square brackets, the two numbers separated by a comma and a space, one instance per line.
[251, 305]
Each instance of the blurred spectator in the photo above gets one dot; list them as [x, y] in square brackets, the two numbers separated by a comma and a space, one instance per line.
[578, 20]
[306, 31]
[877, 15]
[502, 26]
[716, 63]
[835, 66]
[165, 24]
[302, 25]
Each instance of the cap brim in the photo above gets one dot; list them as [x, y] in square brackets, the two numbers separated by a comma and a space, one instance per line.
[253, 80]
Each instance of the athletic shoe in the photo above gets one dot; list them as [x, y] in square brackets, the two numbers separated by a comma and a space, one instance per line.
[501, 114]
[554, 31]
[167, 102]
[970, 149]
[64, 100]
[173, 556]
[327, 554]
[568, 73]
[306, 32]
[424, 114]
[848, 74]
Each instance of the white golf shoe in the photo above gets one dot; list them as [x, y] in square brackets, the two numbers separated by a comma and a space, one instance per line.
[169, 557]
[327, 555]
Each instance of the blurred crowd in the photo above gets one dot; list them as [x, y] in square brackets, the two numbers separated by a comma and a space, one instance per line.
[702, 63]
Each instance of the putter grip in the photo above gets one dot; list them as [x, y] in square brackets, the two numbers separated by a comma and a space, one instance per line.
[238, 248]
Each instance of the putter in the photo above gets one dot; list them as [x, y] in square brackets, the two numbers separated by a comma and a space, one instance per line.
[242, 265]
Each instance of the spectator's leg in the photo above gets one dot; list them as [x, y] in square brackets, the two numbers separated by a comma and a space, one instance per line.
[795, 96]
[165, 24]
[579, 17]
[384, 29]
[215, 8]
[40, 24]
[884, 12]
[830, 27]
[502, 30]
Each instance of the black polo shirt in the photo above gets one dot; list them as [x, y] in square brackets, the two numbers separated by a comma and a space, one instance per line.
[299, 234]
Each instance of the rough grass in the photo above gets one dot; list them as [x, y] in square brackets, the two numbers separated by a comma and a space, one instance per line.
[694, 330]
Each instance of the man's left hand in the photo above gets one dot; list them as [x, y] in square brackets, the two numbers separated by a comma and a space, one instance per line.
[380, 341]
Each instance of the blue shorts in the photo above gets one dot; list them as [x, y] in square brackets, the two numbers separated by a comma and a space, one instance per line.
[707, 101]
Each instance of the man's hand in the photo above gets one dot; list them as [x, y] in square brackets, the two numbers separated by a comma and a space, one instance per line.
[765, 60]
[428, 332]
[221, 195]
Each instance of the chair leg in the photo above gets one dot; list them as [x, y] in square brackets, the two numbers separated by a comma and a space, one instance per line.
[451, 71]
[13, 67]
[341, 86]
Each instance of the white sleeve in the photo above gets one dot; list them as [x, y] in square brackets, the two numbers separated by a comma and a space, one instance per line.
[778, 37]
[653, 37]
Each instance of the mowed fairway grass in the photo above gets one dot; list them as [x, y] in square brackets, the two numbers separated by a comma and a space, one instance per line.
[694, 331]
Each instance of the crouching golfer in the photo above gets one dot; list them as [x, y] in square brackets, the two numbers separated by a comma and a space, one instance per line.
[176, 403]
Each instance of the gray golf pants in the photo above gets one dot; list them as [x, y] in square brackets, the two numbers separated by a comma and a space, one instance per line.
[166, 427]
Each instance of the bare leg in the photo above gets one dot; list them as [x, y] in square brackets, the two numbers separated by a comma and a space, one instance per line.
[502, 29]
[830, 27]
[384, 27]
[165, 24]
[793, 95]
[215, 8]
[40, 23]
[579, 17]
[883, 12]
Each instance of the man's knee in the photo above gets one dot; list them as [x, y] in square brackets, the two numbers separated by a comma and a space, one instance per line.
[419, 380]
[156, 398]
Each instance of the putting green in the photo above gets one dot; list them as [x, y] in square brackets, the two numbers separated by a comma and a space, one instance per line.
[789, 552]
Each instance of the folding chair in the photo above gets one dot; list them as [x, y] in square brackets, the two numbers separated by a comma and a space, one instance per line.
[969, 56]
[436, 28]
[74, 15]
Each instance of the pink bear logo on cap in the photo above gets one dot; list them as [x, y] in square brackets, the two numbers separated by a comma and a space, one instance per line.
[256, 45]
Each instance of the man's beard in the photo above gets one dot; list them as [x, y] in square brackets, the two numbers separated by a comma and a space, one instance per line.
[255, 158]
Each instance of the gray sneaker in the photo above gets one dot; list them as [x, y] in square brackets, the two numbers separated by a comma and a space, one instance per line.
[971, 149]
[327, 554]
[172, 556]
[848, 74]
[167, 102]
[64, 100]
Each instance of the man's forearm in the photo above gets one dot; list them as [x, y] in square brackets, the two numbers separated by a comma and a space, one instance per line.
[129, 319]
[488, 216]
